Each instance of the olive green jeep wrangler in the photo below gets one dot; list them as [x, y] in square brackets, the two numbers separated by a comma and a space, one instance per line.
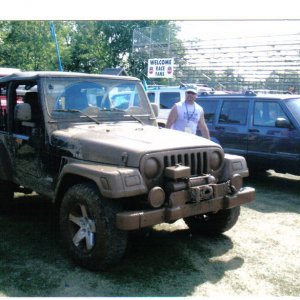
[91, 144]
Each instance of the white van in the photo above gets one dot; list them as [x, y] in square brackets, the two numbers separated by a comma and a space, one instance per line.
[166, 96]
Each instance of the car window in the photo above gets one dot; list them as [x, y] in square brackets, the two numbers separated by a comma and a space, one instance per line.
[151, 97]
[294, 107]
[234, 112]
[168, 99]
[266, 113]
[209, 107]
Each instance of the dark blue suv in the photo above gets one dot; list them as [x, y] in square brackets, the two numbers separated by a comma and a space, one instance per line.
[265, 129]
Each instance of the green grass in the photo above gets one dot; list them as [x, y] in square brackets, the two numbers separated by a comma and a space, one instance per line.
[259, 256]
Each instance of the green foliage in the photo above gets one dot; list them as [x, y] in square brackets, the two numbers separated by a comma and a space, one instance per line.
[84, 46]
[28, 45]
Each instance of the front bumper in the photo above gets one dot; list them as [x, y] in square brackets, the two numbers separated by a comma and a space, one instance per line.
[132, 220]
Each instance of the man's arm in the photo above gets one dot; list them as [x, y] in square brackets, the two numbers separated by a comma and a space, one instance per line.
[172, 117]
[203, 128]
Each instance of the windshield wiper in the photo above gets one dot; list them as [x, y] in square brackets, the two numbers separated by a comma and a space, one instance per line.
[135, 118]
[125, 115]
[78, 111]
[113, 109]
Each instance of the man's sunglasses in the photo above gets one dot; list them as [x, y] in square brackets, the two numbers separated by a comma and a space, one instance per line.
[191, 93]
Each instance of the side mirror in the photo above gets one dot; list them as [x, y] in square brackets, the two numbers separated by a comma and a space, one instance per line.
[155, 109]
[22, 112]
[282, 123]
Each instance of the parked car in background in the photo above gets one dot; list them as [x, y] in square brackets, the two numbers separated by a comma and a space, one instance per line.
[265, 129]
[5, 72]
[166, 96]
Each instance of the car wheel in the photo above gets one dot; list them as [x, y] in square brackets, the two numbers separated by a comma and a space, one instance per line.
[214, 223]
[6, 196]
[87, 223]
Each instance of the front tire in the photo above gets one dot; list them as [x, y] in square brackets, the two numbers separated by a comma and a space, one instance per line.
[214, 223]
[87, 223]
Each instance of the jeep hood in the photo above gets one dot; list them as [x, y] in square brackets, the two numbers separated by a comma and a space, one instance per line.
[109, 143]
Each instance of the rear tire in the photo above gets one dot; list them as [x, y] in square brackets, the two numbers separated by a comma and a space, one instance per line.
[214, 223]
[87, 223]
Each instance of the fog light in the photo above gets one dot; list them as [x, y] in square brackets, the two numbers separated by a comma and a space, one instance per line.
[156, 197]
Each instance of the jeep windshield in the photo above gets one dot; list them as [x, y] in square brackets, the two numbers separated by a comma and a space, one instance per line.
[103, 99]
[294, 107]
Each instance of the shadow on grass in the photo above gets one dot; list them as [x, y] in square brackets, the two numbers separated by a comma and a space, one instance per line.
[275, 192]
[165, 263]
[159, 263]
[29, 244]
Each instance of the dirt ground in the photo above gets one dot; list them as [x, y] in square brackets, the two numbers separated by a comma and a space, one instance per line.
[258, 257]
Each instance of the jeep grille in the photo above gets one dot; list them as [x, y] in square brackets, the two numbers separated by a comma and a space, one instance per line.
[197, 161]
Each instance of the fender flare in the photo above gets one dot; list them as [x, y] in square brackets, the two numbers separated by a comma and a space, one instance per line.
[112, 181]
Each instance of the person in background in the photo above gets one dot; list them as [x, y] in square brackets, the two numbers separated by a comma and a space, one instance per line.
[292, 90]
[187, 115]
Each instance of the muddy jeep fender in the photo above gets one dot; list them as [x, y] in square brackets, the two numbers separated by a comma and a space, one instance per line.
[112, 181]
[233, 164]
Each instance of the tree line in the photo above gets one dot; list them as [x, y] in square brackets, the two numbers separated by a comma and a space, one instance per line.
[91, 46]
[84, 46]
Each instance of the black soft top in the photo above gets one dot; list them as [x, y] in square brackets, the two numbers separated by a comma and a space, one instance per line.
[33, 75]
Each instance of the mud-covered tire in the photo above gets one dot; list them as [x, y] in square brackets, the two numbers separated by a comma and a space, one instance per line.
[87, 224]
[214, 223]
[6, 196]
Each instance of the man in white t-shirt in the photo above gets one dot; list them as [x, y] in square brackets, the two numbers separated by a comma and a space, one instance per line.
[187, 115]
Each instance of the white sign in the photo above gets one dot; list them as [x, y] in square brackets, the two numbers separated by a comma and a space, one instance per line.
[160, 67]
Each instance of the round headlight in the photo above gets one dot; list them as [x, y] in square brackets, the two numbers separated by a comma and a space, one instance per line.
[151, 168]
[215, 160]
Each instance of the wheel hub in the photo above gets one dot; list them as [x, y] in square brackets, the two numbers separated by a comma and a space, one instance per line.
[86, 232]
